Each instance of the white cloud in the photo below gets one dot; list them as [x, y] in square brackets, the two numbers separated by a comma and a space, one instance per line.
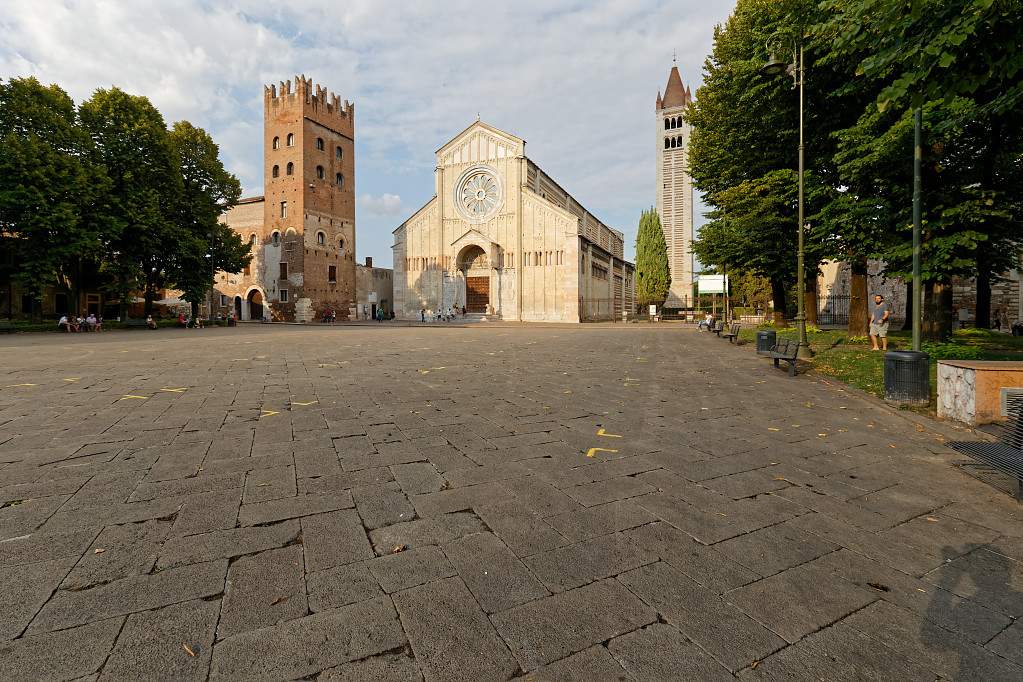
[576, 80]
[383, 205]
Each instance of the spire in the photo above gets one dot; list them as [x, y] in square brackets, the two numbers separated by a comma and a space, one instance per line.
[674, 92]
[659, 100]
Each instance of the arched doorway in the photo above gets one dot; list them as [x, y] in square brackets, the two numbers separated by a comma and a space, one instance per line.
[237, 307]
[255, 299]
[473, 262]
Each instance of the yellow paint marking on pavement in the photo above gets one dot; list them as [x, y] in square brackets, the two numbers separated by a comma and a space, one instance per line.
[174, 390]
[72, 379]
[593, 451]
[311, 402]
[604, 433]
[134, 397]
[19, 385]
[267, 413]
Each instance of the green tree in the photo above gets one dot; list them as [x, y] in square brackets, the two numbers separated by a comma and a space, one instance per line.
[959, 61]
[208, 191]
[653, 278]
[133, 144]
[49, 188]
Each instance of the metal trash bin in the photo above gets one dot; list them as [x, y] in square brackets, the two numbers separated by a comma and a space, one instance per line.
[766, 340]
[907, 377]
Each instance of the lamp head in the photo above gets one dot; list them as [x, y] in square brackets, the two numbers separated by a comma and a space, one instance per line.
[773, 66]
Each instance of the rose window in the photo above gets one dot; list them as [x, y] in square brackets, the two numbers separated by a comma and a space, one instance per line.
[478, 194]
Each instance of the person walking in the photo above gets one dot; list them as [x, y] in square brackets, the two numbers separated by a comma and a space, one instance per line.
[422, 314]
[879, 323]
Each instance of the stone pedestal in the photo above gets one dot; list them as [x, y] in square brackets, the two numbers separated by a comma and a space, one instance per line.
[970, 391]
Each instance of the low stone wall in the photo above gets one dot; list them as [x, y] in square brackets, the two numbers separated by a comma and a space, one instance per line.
[970, 391]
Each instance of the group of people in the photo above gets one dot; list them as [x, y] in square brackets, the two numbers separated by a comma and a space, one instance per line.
[187, 322]
[443, 315]
[71, 323]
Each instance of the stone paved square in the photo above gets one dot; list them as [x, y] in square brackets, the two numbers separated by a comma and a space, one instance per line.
[482, 502]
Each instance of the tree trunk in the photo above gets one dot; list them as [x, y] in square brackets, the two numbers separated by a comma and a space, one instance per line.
[195, 310]
[937, 322]
[859, 309]
[810, 300]
[907, 324]
[983, 314]
[778, 297]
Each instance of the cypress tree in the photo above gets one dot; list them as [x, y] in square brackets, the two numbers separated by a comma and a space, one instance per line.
[652, 275]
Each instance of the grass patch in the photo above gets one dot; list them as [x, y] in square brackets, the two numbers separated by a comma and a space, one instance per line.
[850, 360]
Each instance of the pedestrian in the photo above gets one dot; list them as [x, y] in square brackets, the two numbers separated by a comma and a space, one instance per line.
[151, 323]
[64, 324]
[463, 311]
[422, 314]
[879, 323]
[99, 323]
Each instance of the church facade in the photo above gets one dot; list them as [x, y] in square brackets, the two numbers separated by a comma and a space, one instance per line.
[675, 187]
[501, 238]
[302, 230]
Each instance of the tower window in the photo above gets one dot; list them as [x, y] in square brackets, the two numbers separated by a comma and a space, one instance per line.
[284, 295]
[339, 180]
[667, 143]
[341, 244]
[284, 209]
[284, 271]
[667, 124]
[291, 139]
[338, 153]
[291, 168]
[321, 238]
[276, 143]
[332, 274]
[319, 143]
[276, 171]
[252, 239]
[276, 236]
[319, 172]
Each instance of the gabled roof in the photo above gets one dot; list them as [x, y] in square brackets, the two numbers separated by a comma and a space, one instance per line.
[485, 126]
[675, 94]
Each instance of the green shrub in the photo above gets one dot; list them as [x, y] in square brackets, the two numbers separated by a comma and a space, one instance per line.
[974, 332]
[858, 340]
[951, 351]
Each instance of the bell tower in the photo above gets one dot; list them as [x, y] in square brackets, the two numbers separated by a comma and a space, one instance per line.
[675, 187]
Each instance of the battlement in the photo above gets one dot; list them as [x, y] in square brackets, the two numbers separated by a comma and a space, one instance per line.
[304, 92]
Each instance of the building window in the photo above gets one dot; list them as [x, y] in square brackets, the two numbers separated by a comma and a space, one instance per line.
[276, 236]
[291, 168]
[276, 143]
[321, 238]
[223, 300]
[252, 239]
[599, 272]
[332, 274]
[284, 271]
[284, 295]
[339, 180]
[276, 172]
[338, 153]
[291, 139]
[284, 209]
[341, 244]
[319, 172]
[319, 143]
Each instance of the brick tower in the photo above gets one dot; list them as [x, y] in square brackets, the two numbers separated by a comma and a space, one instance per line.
[308, 240]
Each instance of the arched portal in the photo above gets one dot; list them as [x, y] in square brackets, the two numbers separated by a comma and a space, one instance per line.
[475, 265]
[255, 300]
[237, 307]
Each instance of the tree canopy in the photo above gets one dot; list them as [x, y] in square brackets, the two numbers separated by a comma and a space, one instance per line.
[653, 278]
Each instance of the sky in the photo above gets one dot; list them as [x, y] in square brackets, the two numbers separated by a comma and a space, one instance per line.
[576, 80]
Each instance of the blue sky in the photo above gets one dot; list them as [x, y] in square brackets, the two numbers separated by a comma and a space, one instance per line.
[576, 80]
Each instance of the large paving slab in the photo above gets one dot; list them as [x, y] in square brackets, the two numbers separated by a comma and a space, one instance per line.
[494, 501]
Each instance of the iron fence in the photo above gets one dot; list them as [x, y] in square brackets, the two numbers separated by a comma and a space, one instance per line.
[833, 311]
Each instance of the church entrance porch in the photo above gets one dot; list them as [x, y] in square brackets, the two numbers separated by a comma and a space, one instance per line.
[477, 294]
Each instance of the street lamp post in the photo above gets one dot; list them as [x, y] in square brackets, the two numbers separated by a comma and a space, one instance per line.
[773, 67]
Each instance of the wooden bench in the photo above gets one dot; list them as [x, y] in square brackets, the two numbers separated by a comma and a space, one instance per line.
[1005, 455]
[718, 327]
[785, 350]
[134, 324]
[732, 335]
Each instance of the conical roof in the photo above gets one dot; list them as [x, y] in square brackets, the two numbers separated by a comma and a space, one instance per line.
[675, 92]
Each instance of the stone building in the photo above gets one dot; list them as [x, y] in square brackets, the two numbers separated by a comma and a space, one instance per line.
[675, 187]
[302, 230]
[503, 239]
[374, 290]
